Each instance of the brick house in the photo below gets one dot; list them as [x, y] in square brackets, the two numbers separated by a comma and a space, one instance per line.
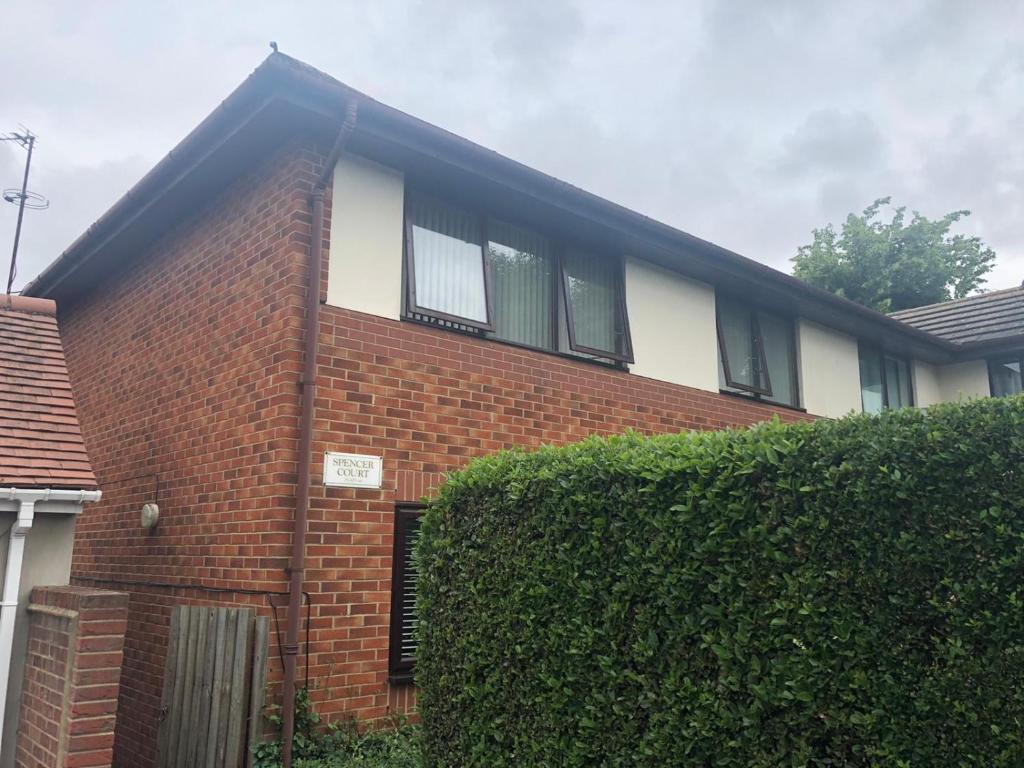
[45, 481]
[185, 320]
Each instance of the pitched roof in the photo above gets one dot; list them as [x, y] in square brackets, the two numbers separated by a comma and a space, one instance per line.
[986, 318]
[40, 440]
[285, 96]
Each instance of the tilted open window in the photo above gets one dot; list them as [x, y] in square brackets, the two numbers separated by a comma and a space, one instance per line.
[445, 265]
[757, 353]
[480, 274]
[402, 650]
[595, 306]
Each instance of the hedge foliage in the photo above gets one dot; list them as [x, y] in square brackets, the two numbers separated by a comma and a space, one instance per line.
[844, 593]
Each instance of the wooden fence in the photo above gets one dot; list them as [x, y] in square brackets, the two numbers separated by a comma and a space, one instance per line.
[213, 687]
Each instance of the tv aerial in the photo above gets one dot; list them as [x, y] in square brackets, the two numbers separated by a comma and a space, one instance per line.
[22, 197]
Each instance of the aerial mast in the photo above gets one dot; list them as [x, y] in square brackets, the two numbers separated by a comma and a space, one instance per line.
[22, 197]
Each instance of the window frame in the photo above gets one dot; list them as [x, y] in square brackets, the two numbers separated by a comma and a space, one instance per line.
[760, 394]
[996, 360]
[401, 669]
[626, 356]
[412, 312]
[410, 269]
[864, 349]
[723, 353]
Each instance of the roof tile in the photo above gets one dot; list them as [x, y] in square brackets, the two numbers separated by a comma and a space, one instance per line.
[40, 440]
[986, 317]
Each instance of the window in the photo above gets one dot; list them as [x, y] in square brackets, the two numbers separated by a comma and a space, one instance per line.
[521, 288]
[595, 307]
[523, 269]
[884, 381]
[757, 353]
[1004, 375]
[402, 651]
[446, 270]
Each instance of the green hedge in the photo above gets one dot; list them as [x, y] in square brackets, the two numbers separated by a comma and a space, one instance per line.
[843, 593]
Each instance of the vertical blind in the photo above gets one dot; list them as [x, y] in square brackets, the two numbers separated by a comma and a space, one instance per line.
[738, 347]
[447, 259]
[506, 281]
[780, 355]
[402, 653]
[884, 381]
[745, 337]
[593, 300]
[521, 265]
[872, 399]
[897, 382]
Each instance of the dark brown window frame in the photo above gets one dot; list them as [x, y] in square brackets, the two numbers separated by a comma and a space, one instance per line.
[412, 312]
[762, 363]
[863, 349]
[410, 269]
[401, 669]
[623, 335]
[1008, 357]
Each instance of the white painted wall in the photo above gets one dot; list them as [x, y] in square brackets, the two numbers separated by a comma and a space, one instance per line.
[672, 318]
[365, 260]
[672, 324]
[962, 381]
[927, 390]
[47, 562]
[829, 371]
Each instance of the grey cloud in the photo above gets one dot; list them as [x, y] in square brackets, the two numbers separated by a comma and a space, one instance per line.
[746, 123]
[78, 196]
[832, 141]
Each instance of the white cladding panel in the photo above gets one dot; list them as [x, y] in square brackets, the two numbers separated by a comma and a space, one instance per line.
[829, 371]
[365, 261]
[672, 324]
[962, 381]
[926, 385]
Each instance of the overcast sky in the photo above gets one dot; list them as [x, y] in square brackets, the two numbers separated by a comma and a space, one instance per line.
[745, 123]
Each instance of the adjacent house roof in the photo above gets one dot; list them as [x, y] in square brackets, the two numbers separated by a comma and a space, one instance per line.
[40, 440]
[984, 319]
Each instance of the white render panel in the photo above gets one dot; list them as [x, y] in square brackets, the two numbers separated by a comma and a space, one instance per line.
[963, 381]
[926, 385]
[365, 261]
[672, 324]
[829, 371]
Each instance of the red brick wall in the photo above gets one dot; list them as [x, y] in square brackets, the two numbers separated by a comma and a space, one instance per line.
[186, 369]
[429, 400]
[72, 674]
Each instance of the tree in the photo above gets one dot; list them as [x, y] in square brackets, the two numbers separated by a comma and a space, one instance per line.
[898, 265]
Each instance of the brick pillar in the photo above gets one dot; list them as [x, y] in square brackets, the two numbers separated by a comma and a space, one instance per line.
[72, 676]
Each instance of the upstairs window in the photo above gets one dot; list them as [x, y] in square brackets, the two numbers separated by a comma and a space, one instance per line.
[595, 307]
[757, 353]
[884, 381]
[523, 267]
[1004, 375]
[446, 269]
[402, 651]
[477, 273]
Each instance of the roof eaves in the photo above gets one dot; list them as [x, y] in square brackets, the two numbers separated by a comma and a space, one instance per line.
[469, 155]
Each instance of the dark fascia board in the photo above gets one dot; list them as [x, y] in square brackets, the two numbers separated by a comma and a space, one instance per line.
[253, 120]
[424, 150]
[976, 350]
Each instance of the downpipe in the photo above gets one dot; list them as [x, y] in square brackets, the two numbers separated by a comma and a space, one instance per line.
[296, 570]
[26, 498]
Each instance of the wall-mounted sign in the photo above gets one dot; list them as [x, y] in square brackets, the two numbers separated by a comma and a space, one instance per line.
[352, 470]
